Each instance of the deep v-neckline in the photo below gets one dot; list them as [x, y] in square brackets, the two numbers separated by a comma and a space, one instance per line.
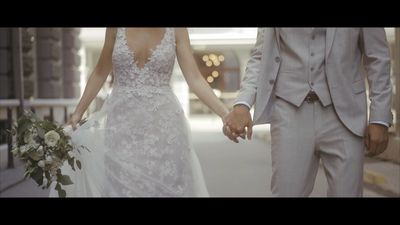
[152, 50]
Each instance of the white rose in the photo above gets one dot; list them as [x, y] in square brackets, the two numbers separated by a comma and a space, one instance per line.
[51, 138]
[41, 163]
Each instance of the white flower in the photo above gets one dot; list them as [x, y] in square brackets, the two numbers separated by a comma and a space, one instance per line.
[41, 163]
[51, 138]
[71, 154]
[49, 159]
[23, 149]
[40, 149]
[34, 132]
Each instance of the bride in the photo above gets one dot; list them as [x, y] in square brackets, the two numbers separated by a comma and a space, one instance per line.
[139, 141]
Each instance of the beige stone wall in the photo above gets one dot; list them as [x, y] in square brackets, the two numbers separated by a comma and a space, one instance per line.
[6, 78]
[50, 62]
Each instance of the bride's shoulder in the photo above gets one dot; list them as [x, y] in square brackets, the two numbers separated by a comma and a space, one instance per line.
[181, 33]
[180, 29]
[111, 30]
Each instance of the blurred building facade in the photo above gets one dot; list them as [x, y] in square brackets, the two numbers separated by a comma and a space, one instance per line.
[50, 63]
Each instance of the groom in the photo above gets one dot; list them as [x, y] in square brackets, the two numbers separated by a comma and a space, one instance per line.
[309, 84]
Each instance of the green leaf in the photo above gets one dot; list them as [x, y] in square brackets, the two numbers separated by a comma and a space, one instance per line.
[32, 168]
[26, 174]
[49, 125]
[78, 163]
[84, 147]
[37, 175]
[48, 183]
[61, 192]
[40, 132]
[71, 163]
[23, 126]
[47, 175]
[64, 180]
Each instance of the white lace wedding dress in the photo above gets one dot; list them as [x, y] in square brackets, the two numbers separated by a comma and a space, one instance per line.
[140, 140]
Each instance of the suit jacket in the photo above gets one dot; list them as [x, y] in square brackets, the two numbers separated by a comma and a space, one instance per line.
[351, 54]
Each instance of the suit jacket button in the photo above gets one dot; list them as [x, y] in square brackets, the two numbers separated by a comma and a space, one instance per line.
[271, 82]
[277, 59]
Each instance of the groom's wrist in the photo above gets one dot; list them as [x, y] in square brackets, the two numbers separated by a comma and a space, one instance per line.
[241, 107]
[382, 123]
[242, 104]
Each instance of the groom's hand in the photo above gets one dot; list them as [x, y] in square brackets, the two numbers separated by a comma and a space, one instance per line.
[376, 139]
[236, 122]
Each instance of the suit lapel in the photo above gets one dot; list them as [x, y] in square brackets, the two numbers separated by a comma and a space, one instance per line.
[277, 39]
[330, 34]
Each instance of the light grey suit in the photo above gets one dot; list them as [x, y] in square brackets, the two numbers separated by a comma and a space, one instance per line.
[303, 133]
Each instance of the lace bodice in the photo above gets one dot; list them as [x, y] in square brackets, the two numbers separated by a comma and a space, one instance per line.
[157, 70]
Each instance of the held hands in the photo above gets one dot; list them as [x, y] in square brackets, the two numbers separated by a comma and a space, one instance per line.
[239, 118]
[376, 139]
[238, 123]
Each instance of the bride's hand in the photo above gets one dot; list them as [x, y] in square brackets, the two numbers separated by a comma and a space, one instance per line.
[74, 120]
[237, 121]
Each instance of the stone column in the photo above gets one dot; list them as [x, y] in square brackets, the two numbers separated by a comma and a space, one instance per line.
[71, 44]
[6, 76]
[49, 62]
[29, 62]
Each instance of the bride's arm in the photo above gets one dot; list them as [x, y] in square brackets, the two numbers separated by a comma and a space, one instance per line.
[192, 74]
[97, 78]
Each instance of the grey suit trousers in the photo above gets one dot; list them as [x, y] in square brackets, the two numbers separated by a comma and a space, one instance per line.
[304, 136]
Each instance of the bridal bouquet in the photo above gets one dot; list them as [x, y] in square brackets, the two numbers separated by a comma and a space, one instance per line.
[44, 146]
